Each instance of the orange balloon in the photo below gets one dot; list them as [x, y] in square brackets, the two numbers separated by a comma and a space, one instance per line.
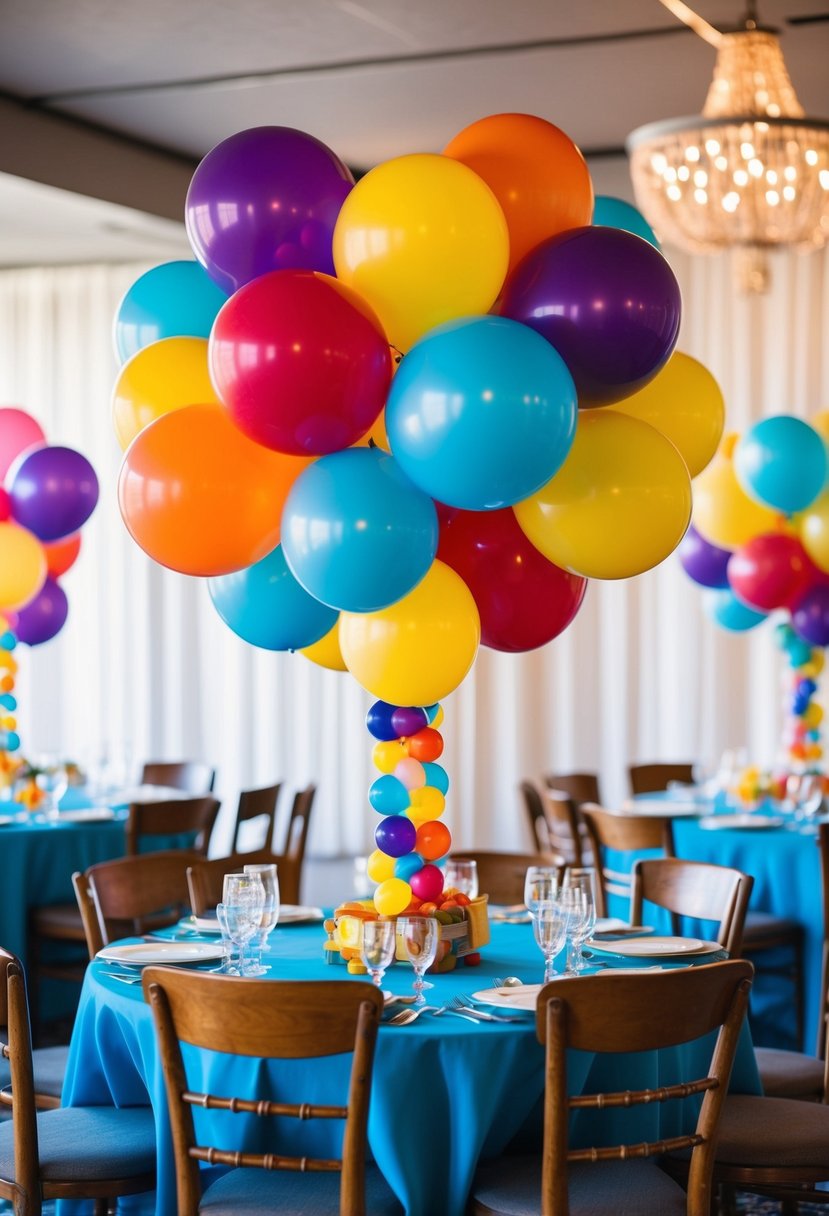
[200, 497]
[62, 554]
[535, 171]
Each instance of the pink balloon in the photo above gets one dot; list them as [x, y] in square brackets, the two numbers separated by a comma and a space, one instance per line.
[427, 883]
[411, 773]
[18, 431]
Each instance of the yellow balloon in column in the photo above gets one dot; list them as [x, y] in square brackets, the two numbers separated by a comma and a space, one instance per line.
[424, 240]
[723, 513]
[22, 566]
[813, 525]
[162, 377]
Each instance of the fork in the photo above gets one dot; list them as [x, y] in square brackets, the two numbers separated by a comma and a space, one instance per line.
[405, 1016]
[458, 1003]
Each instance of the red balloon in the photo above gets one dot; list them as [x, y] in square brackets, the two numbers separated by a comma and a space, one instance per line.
[524, 601]
[5, 505]
[771, 571]
[427, 883]
[300, 362]
[61, 555]
[426, 745]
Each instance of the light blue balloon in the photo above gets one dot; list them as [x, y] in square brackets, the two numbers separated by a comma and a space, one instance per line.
[406, 866]
[356, 532]
[781, 462]
[726, 610]
[481, 413]
[174, 300]
[12, 741]
[609, 212]
[799, 653]
[265, 605]
[436, 776]
[8, 641]
[8, 702]
[388, 795]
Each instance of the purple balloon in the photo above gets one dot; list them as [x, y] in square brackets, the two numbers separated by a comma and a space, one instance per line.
[705, 563]
[265, 199]
[409, 720]
[44, 616]
[811, 616]
[395, 835]
[606, 300]
[53, 492]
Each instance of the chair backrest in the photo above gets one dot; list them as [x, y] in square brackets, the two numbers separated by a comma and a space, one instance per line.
[566, 828]
[16, 1046]
[650, 778]
[256, 804]
[185, 816]
[534, 808]
[133, 891]
[296, 834]
[89, 913]
[581, 787]
[624, 834]
[695, 889]
[205, 878]
[639, 1013]
[191, 776]
[501, 875]
[294, 1020]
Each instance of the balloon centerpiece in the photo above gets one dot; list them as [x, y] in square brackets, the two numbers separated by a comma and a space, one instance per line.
[388, 421]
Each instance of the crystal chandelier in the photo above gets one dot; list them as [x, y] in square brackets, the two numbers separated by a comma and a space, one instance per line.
[751, 173]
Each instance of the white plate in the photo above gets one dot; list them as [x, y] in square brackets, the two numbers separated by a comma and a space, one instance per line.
[6, 819]
[719, 823]
[296, 914]
[663, 808]
[651, 947]
[143, 953]
[205, 924]
[150, 793]
[86, 814]
[523, 997]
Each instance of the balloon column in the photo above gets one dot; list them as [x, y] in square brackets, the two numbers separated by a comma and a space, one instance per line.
[759, 544]
[48, 492]
[390, 420]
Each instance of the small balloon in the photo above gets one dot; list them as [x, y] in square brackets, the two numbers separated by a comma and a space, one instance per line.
[427, 883]
[53, 491]
[406, 867]
[43, 617]
[395, 835]
[379, 721]
[433, 840]
[426, 745]
[408, 720]
[388, 754]
[388, 795]
[392, 896]
[61, 555]
[437, 777]
[410, 773]
[726, 610]
[380, 866]
[811, 620]
[703, 562]
[22, 566]
[771, 571]
[781, 462]
[173, 300]
[427, 803]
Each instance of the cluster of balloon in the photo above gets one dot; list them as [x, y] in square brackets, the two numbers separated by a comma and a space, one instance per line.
[390, 420]
[759, 544]
[411, 796]
[47, 493]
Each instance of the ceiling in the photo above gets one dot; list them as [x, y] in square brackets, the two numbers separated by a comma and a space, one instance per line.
[371, 78]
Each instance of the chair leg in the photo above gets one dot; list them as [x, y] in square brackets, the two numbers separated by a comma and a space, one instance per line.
[101, 1207]
[798, 981]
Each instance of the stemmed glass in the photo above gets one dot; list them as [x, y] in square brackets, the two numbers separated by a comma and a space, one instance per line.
[377, 947]
[419, 935]
[550, 932]
[243, 901]
[270, 915]
[462, 875]
[227, 967]
[582, 911]
[53, 780]
[540, 886]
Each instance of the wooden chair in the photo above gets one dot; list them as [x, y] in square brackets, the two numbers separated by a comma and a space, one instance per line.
[256, 804]
[625, 834]
[296, 833]
[566, 829]
[501, 875]
[48, 1063]
[188, 775]
[633, 1013]
[270, 1021]
[205, 878]
[694, 889]
[651, 778]
[581, 787]
[179, 817]
[534, 807]
[95, 1153]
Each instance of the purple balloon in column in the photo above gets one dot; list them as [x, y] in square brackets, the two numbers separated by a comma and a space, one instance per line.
[408, 720]
[606, 300]
[44, 616]
[395, 835]
[53, 492]
[265, 199]
[811, 616]
[705, 563]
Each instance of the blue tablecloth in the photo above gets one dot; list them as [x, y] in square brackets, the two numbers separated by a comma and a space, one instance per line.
[445, 1092]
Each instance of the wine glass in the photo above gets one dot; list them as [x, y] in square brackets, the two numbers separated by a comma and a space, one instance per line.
[243, 897]
[419, 935]
[227, 967]
[462, 875]
[53, 780]
[581, 927]
[270, 915]
[377, 947]
[550, 932]
[540, 886]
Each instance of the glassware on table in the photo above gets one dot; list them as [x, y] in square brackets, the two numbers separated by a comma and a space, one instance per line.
[270, 915]
[581, 926]
[804, 794]
[228, 966]
[53, 782]
[462, 875]
[540, 886]
[419, 935]
[550, 933]
[377, 947]
[243, 897]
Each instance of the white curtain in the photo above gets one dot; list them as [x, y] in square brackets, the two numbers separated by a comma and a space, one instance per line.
[145, 669]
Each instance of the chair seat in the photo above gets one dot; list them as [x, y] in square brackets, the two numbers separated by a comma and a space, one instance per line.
[789, 1074]
[511, 1186]
[59, 920]
[88, 1143]
[763, 930]
[253, 1192]
[769, 1132]
[49, 1068]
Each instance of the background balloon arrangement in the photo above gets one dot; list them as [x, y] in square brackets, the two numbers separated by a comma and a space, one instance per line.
[759, 544]
[47, 493]
[390, 420]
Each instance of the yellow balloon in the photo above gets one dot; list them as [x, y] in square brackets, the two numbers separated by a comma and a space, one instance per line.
[162, 377]
[619, 504]
[392, 896]
[380, 866]
[686, 404]
[388, 754]
[813, 525]
[326, 652]
[427, 803]
[821, 424]
[813, 715]
[418, 650]
[723, 513]
[438, 718]
[8, 662]
[22, 566]
[424, 240]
